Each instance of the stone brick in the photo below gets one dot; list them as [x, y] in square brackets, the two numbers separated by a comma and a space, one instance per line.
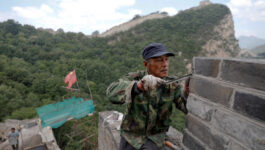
[206, 67]
[249, 74]
[211, 91]
[174, 136]
[252, 135]
[107, 137]
[236, 146]
[199, 108]
[208, 136]
[249, 104]
[191, 142]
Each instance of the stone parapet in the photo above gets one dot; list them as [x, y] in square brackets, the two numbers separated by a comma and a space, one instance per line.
[226, 105]
[109, 133]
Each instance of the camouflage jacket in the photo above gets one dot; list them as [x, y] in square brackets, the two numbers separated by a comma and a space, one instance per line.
[148, 113]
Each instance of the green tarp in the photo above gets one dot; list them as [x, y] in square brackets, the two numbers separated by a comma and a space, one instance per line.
[55, 115]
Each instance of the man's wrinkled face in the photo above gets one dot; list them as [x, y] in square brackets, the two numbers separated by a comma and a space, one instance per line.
[158, 66]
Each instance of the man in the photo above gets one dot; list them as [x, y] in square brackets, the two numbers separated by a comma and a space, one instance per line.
[13, 138]
[149, 100]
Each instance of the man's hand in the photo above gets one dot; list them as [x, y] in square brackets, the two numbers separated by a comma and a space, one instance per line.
[149, 82]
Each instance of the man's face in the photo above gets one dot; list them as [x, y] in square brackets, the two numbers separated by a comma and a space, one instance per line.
[12, 130]
[158, 66]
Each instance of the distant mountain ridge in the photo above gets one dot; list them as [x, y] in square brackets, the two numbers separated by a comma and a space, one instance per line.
[250, 42]
[140, 19]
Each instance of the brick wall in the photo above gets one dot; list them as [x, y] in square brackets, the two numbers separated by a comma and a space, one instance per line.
[226, 105]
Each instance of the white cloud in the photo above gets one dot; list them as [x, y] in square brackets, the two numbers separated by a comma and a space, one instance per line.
[33, 12]
[79, 15]
[248, 9]
[241, 3]
[260, 3]
[170, 10]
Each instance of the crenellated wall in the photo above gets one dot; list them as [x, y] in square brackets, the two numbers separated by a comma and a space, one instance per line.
[226, 108]
[109, 133]
[226, 105]
[31, 135]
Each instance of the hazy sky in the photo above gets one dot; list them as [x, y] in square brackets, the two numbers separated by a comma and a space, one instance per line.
[89, 15]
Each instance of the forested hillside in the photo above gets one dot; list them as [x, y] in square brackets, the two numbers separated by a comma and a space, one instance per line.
[34, 62]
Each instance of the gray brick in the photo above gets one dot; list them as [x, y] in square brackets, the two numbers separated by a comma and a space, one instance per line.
[250, 105]
[174, 136]
[206, 67]
[211, 91]
[250, 134]
[249, 74]
[191, 142]
[213, 139]
[236, 146]
[199, 108]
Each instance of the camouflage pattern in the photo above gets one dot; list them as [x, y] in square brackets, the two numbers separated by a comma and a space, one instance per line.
[148, 114]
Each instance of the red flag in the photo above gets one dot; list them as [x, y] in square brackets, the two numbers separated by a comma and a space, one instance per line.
[70, 78]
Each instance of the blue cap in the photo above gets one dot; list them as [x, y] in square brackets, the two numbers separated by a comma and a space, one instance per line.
[155, 50]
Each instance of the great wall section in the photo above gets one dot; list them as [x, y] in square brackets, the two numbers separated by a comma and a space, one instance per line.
[130, 24]
[226, 108]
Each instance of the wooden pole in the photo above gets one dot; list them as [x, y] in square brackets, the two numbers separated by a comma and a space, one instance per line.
[77, 84]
